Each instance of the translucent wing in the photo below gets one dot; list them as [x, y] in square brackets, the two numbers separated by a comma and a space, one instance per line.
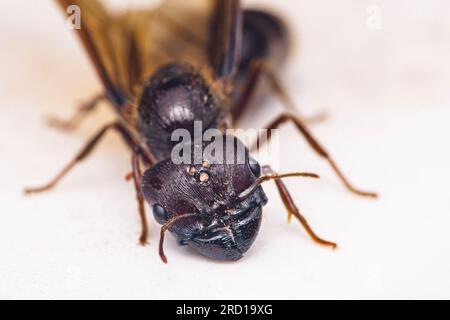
[225, 38]
[201, 32]
[128, 48]
[104, 42]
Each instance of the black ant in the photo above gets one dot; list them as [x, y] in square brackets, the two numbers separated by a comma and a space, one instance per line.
[166, 68]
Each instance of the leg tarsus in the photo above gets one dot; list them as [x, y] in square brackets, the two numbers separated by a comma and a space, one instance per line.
[301, 126]
[316, 146]
[294, 211]
[138, 154]
[86, 150]
[137, 177]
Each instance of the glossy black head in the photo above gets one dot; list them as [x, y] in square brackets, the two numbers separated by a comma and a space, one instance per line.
[174, 98]
[219, 223]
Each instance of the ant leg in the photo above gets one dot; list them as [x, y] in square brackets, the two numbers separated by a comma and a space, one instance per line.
[316, 147]
[87, 149]
[137, 177]
[81, 113]
[294, 211]
[303, 129]
[243, 102]
[259, 69]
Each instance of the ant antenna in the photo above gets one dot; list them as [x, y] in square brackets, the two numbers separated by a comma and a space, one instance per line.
[244, 194]
[164, 228]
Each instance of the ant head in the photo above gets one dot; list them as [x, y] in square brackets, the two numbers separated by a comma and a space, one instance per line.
[208, 205]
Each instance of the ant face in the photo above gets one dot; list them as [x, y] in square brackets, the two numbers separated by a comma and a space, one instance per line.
[218, 222]
[231, 232]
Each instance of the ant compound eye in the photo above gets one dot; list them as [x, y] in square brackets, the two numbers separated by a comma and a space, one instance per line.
[254, 167]
[160, 214]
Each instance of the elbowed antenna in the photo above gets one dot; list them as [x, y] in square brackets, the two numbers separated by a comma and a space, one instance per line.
[244, 194]
[166, 227]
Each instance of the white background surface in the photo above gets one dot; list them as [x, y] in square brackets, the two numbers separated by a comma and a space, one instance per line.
[387, 93]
